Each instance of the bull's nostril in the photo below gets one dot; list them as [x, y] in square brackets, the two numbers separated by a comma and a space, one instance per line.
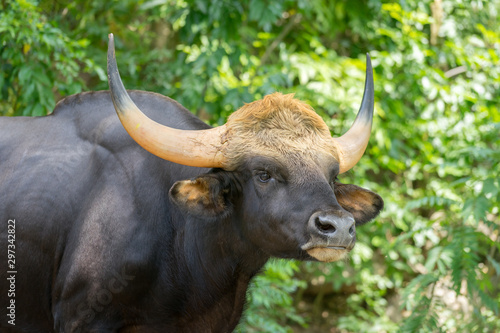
[352, 230]
[325, 227]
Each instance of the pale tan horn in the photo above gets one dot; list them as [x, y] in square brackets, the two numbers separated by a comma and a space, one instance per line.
[193, 148]
[353, 143]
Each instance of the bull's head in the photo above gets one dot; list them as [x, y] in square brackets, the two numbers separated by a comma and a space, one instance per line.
[276, 161]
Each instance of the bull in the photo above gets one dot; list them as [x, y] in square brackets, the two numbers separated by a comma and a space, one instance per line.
[159, 223]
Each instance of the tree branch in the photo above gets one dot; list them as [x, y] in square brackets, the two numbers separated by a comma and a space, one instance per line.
[293, 21]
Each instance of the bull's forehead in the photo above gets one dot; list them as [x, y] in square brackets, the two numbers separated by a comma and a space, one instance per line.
[282, 128]
[298, 166]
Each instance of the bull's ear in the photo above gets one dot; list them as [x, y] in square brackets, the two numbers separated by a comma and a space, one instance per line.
[206, 196]
[363, 204]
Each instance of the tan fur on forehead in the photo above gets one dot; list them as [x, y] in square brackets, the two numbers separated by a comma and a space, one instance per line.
[278, 111]
[277, 125]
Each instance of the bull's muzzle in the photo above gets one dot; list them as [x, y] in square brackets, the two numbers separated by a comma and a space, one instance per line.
[333, 235]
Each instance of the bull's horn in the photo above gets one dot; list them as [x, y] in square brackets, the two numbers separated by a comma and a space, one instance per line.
[353, 143]
[193, 148]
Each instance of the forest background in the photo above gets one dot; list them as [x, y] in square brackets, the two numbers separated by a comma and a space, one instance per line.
[431, 261]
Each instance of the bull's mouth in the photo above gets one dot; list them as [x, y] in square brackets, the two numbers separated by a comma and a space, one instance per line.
[326, 252]
[336, 247]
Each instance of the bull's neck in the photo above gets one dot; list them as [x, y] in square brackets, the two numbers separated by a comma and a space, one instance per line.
[216, 250]
[219, 267]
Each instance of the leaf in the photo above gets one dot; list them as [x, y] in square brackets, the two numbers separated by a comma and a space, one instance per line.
[24, 75]
[495, 264]
[26, 48]
[481, 206]
[489, 187]
[151, 4]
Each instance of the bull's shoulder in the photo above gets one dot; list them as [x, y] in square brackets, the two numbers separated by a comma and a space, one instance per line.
[94, 119]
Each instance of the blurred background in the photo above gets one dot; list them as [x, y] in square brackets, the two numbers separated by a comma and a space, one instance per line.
[431, 261]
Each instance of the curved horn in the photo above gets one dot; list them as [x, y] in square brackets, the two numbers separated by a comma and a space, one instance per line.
[353, 143]
[193, 148]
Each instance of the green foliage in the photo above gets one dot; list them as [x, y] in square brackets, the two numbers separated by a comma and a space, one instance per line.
[38, 61]
[431, 261]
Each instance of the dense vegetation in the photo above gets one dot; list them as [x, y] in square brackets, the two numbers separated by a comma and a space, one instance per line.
[431, 261]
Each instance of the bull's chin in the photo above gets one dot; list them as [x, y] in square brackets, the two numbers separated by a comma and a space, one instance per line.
[328, 254]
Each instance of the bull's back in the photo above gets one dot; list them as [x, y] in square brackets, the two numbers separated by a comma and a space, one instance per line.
[47, 162]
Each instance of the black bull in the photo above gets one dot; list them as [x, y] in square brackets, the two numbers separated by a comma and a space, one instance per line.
[98, 244]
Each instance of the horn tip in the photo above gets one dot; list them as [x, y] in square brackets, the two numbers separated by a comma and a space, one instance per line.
[368, 61]
[111, 42]
[111, 46]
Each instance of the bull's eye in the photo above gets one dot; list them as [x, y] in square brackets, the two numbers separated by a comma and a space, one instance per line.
[264, 176]
[333, 182]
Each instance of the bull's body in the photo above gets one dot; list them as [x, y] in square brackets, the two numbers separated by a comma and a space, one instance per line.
[97, 240]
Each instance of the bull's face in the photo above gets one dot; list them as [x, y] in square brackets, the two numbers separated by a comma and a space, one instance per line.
[280, 211]
[284, 186]
[275, 161]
